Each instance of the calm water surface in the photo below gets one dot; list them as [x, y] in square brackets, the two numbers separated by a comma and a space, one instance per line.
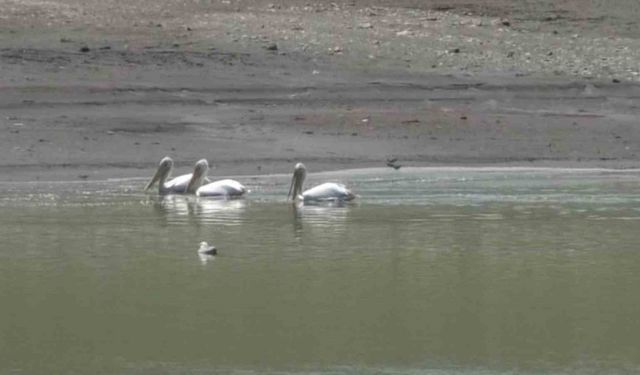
[436, 271]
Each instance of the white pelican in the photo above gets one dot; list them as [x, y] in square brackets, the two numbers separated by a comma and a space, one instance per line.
[177, 185]
[329, 191]
[222, 189]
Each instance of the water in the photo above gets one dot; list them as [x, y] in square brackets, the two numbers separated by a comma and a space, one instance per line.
[436, 271]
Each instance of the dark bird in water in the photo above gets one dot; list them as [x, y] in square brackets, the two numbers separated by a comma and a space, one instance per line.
[392, 163]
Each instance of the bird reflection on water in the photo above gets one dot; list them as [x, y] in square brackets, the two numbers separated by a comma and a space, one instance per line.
[330, 216]
[181, 209]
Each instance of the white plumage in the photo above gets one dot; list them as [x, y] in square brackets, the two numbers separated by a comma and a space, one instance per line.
[177, 185]
[329, 191]
[221, 189]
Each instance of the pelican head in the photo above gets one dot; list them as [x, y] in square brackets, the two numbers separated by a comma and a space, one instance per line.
[299, 174]
[162, 173]
[199, 176]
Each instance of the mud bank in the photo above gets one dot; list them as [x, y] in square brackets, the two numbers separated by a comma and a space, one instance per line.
[92, 91]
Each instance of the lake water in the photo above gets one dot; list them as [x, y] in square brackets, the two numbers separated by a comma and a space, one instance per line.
[433, 271]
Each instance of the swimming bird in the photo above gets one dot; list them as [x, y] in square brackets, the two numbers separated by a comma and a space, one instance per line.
[207, 249]
[222, 189]
[329, 191]
[177, 185]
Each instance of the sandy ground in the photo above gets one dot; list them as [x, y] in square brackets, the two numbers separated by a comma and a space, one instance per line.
[100, 89]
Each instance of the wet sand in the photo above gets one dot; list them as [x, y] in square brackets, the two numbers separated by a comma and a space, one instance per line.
[97, 90]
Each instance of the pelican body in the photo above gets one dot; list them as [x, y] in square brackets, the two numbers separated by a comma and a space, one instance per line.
[221, 189]
[177, 185]
[329, 191]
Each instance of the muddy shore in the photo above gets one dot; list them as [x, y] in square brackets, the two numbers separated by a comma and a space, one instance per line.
[97, 89]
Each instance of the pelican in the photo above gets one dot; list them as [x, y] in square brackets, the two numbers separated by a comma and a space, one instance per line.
[222, 189]
[329, 191]
[177, 185]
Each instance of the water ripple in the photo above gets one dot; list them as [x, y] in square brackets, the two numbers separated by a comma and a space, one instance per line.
[608, 189]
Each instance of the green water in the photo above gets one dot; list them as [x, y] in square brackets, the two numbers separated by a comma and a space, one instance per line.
[436, 271]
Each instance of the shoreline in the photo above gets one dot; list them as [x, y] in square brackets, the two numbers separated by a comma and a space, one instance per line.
[491, 168]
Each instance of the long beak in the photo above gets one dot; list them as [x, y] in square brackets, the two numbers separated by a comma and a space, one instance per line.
[194, 182]
[156, 178]
[296, 186]
[289, 196]
[190, 185]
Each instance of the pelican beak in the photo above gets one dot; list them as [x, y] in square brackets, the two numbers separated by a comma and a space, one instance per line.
[156, 178]
[293, 180]
[294, 189]
[193, 183]
[199, 174]
[163, 171]
[296, 184]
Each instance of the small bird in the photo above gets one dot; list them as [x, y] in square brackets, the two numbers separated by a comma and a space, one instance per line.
[392, 163]
[207, 249]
